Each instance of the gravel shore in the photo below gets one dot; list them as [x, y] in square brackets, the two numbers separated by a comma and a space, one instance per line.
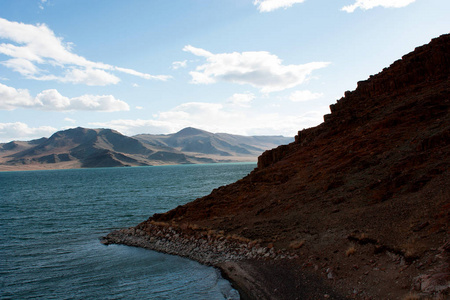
[256, 272]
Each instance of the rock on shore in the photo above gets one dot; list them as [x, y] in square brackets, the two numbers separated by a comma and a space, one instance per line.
[200, 246]
[257, 272]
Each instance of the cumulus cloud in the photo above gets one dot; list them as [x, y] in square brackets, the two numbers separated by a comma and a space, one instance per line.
[270, 5]
[21, 131]
[260, 69]
[11, 98]
[52, 100]
[369, 4]
[302, 96]
[32, 45]
[97, 103]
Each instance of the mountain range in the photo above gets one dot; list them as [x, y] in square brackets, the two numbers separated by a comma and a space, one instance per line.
[90, 148]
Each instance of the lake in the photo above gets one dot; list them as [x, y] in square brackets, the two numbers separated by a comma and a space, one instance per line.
[51, 222]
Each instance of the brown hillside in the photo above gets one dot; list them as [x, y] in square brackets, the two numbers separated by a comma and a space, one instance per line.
[374, 178]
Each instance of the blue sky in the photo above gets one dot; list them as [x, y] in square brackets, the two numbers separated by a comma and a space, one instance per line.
[251, 67]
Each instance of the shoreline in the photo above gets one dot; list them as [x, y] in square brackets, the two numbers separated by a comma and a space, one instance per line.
[259, 272]
[64, 166]
[256, 272]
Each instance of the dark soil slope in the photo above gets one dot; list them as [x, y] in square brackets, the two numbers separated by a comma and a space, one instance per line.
[363, 198]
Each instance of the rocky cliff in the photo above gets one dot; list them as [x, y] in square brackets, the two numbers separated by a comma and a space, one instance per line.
[362, 200]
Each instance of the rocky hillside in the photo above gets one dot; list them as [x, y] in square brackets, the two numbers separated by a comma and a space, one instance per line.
[89, 148]
[363, 199]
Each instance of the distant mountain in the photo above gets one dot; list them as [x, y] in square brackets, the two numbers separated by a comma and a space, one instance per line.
[199, 142]
[89, 148]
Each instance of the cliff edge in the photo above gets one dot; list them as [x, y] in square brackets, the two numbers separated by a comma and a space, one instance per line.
[361, 201]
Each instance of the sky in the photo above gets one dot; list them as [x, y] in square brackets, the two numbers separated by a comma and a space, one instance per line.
[248, 67]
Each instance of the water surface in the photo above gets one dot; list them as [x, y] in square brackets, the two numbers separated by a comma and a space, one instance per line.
[51, 222]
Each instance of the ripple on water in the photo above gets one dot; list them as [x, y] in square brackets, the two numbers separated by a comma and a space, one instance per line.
[50, 222]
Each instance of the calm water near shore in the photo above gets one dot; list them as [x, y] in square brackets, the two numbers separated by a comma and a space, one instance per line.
[51, 222]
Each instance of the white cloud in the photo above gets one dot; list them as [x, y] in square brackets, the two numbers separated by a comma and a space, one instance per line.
[179, 64]
[37, 44]
[41, 4]
[70, 120]
[90, 77]
[270, 5]
[302, 96]
[22, 66]
[143, 75]
[217, 117]
[132, 127]
[197, 51]
[194, 111]
[105, 103]
[21, 131]
[369, 4]
[11, 98]
[242, 100]
[259, 69]
[52, 100]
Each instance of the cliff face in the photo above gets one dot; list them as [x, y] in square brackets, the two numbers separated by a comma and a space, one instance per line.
[373, 179]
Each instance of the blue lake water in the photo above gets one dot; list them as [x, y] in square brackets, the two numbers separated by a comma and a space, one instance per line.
[51, 222]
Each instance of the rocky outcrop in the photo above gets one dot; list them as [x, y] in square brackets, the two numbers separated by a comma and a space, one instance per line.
[270, 157]
[424, 68]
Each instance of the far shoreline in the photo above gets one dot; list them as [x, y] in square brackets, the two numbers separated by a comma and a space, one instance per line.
[27, 168]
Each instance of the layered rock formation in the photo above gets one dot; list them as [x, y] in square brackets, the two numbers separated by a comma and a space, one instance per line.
[362, 200]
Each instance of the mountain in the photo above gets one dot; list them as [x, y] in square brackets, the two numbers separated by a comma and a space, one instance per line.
[200, 142]
[359, 206]
[88, 148]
